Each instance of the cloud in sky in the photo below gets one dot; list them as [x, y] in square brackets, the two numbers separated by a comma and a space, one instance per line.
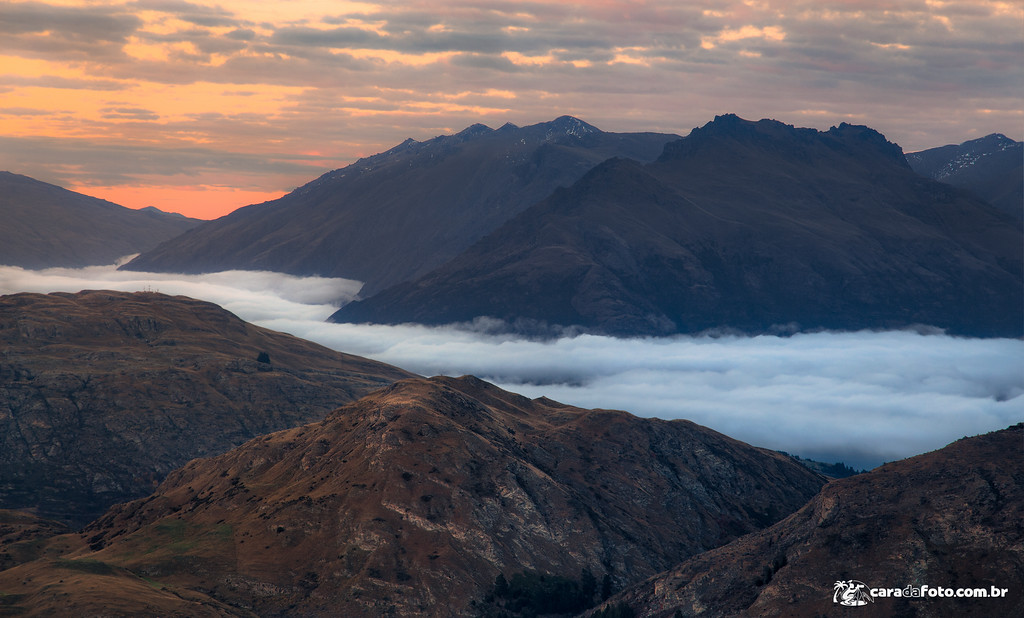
[333, 81]
[863, 397]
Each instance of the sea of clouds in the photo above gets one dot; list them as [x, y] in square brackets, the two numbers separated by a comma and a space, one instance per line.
[860, 397]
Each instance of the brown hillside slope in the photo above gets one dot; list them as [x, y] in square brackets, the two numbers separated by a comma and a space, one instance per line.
[413, 499]
[102, 394]
[953, 518]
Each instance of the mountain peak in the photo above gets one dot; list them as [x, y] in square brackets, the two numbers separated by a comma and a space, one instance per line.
[775, 136]
[570, 125]
[857, 134]
[989, 167]
[474, 130]
[995, 141]
[731, 126]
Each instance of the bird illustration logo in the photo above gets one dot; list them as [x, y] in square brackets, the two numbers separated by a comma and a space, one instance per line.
[852, 593]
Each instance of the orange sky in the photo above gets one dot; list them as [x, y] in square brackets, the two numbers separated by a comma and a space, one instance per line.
[201, 107]
[202, 202]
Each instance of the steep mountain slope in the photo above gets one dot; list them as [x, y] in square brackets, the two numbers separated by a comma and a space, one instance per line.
[413, 499]
[104, 393]
[755, 226]
[991, 167]
[46, 226]
[950, 518]
[398, 214]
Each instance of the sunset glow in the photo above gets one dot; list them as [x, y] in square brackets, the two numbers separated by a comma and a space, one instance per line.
[201, 107]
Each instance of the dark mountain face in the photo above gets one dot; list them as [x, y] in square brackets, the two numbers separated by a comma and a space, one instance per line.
[46, 226]
[413, 499]
[397, 215]
[991, 167]
[949, 519]
[102, 394]
[754, 226]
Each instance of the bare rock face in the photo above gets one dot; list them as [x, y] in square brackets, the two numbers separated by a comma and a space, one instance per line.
[102, 394]
[413, 499]
[949, 519]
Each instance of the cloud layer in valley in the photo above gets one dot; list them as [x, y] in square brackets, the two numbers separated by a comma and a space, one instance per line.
[862, 398]
[262, 97]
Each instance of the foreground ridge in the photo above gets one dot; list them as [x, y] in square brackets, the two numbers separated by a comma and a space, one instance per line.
[413, 499]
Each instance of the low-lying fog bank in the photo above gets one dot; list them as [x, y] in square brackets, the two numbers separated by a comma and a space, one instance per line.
[862, 398]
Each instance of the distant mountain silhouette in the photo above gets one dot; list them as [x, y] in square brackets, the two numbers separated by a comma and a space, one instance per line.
[753, 226]
[991, 167]
[410, 502]
[104, 393]
[46, 226]
[397, 215]
[950, 519]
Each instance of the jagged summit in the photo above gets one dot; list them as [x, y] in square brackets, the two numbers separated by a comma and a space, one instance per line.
[737, 135]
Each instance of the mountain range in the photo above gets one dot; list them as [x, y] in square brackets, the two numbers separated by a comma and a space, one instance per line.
[48, 226]
[397, 215]
[739, 227]
[991, 167]
[749, 226]
[102, 394]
